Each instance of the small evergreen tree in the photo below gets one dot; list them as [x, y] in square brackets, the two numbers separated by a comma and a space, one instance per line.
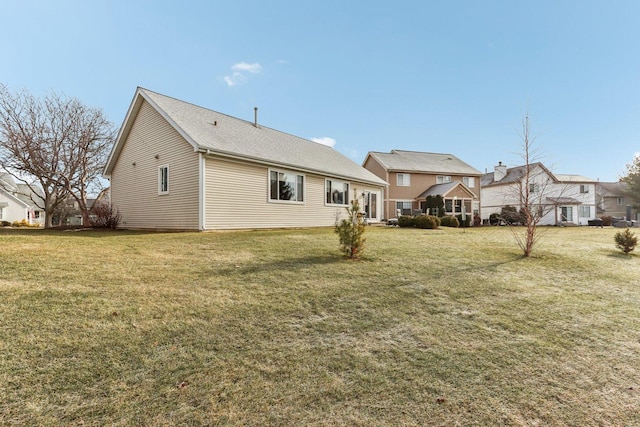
[350, 230]
[626, 241]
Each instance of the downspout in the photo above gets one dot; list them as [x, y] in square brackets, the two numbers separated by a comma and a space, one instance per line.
[201, 192]
[386, 195]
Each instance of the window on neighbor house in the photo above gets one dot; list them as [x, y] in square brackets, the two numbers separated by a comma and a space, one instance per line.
[443, 179]
[337, 192]
[404, 208]
[404, 180]
[566, 214]
[469, 181]
[620, 201]
[584, 188]
[286, 186]
[1, 213]
[584, 211]
[163, 179]
[453, 206]
[533, 188]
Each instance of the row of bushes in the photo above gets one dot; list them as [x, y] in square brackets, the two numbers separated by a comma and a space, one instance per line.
[22, 223]
[428, 221]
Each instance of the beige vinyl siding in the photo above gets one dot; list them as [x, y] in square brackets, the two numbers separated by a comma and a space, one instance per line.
[134, 188]
[237, 196]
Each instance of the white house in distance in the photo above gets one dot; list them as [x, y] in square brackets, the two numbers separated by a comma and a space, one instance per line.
[176, 165]
[16, 202]
[566, 199]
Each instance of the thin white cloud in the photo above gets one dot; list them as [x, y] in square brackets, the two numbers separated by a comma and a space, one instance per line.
[325, 141]
[239, 72]
[250, 68]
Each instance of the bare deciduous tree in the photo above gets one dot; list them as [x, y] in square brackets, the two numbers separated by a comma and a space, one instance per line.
[538, 193]
[56, 145]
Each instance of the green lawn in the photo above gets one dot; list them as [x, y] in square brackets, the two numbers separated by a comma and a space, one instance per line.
[432, 327]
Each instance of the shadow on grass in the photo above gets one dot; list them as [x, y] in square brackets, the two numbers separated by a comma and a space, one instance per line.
[285, 264]
[620, 255]
[77, 232]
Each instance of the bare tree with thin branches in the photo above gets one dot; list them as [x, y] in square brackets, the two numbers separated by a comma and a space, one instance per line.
[538, 193]
[56, 145]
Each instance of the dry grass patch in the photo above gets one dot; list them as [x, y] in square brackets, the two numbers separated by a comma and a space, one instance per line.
[435, 327]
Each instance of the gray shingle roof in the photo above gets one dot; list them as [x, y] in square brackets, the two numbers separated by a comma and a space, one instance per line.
[221, 134]
[441, 189]
[417, 161]
[612, 189]
[514, 174]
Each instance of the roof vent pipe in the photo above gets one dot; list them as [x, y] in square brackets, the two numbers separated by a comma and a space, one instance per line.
[255, 116]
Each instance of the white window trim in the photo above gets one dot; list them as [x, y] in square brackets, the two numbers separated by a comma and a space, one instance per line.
[405, 181]
[443, 179]
[337, 181]
[287, 202]
[162, 192]
[408, 180]
[471, 180]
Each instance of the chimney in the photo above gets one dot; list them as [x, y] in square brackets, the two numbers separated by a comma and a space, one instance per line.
[499, 172]
[255, 116]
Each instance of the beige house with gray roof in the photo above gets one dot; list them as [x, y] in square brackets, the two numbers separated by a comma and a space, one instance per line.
[414, 175]
[176, 165]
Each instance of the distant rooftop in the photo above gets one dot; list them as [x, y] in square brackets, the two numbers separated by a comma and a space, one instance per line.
[418, 161]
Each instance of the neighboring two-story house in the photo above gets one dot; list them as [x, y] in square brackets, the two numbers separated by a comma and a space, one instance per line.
[562, 199]
[613, 201]
[414, 175]
[17, 202]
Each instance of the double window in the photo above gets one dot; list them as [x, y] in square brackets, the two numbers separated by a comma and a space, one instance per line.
[443, 179]
[286, 186]
[404, 180]
[533, 188]
[584, 188]
[336, 192]
[163, 179]
[620, 201]
[584, 211]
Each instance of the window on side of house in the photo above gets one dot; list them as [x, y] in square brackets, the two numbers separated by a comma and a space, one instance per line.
[620, 201]
[404, 207]
[336, 192]
[469, 181]
[404, 180]
[533, 188]
[443, 179]
[1, 213]
[584, 188]
[286, 186]
[163, 179]
[584, 211]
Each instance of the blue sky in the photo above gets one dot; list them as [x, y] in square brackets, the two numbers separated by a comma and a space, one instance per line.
[439, 76]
